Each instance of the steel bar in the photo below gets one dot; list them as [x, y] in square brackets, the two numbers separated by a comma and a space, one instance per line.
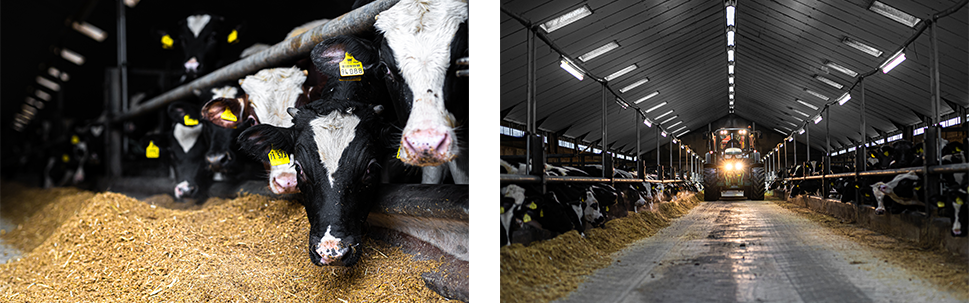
[357, 21]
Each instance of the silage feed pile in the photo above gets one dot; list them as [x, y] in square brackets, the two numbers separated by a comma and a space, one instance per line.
[108, 247]
[548, 270]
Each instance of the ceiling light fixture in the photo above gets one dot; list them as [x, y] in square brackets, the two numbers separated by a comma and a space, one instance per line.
[599, 51]
[817, 94]
[663, 133]
[829, 81]
[566, 19]
[49, 84]
[730, 55]
[633, 85]
[730, 36]
[653, 94]
[669, 119]
[568, 66]
[842, 69]
[647, 122]
[861, 46]
[42, 95]
[894, 14]
[679, 129]
[730, 79]
[893, 61]
[664, 115]
[731, 14]
[72, 56]
[621, 72]
[805, 104]
[58, 74]
[730, 66]
[800, 131]
[655, 107]
[817, 119]
[844, 99]
[90, 30]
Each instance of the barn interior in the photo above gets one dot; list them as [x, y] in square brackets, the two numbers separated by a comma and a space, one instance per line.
[63, 75]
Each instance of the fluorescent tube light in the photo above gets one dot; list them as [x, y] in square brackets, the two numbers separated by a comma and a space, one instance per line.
[844, 99]
[34, 102]
[49, 84]
[679, 129]
[72, 56]
[892, 62]
[817, 119]
[655, 107]
[730, 95]
[730, 67]
[817, 94]
[622, 103]
[802, 113]
[58, 74]
[567, 66]
[730, 89]
[730, 36]
[790, 139]
[566, 19]
[829, 81]
[861, 46]
[42, 95]
[731, 103]
[777, 130]
[664, 115]
[683, 133]
[800, 131]
[653, 94]
[806, 104]
[647, 122]
[785, 128]
[632, 86]
[789, 122]
[669, 119]
[663, 133]
[731, 15]
[599, 51]
[730, 79]
[90, 30]
[842, 69]
[131, 3]
[621, 72]
[730, 55]
[894, 14]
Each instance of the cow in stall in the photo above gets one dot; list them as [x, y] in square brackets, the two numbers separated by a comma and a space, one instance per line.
[335, 147]
[954, 187]
[202, 39]
[184, 148]
[420, 43]
[903, 190]
[65, 163]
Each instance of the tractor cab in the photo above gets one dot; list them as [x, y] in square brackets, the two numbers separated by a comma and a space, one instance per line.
[733, 167]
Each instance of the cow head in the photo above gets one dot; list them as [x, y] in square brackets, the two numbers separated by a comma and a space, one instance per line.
[419, 45]
[200, 37]
[184, 147]
[333, 143]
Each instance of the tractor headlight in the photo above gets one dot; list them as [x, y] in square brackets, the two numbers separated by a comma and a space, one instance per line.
[728, 166]
[738, 166]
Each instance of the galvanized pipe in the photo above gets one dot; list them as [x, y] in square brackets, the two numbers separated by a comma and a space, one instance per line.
[357, 21]
[509, 178]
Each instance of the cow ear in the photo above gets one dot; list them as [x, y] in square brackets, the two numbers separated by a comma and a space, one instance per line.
[225, 112]
[259, 140]
[184, 113]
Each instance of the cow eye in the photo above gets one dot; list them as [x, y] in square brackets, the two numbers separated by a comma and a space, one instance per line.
[372, 169]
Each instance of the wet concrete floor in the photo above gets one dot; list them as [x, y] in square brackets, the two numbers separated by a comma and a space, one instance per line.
[750, 251]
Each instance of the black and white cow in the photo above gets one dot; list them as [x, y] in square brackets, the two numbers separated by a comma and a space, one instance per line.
[420, 43]
[902, 190]
[201, 38]
[184, 148]
[335, 152]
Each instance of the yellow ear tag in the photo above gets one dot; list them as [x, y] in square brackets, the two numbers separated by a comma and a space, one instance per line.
[75, 139]
[228, 116]
[502, 209]
[541, 213]
[532, 205]
[918, 188]
[872, 155]
[233, 36]
[958, 149]
[398, 153]
[959, 201]
[886, 153]
[278, 157]
[167, 42]
[65, 158]
[527, 218]
[607, 208]
[856, 186]
[940, 204]
[189, 121]
[350, 66]
[152, 150]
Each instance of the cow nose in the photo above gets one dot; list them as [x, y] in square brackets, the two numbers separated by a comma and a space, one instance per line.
[428, 143]
[184, 189]
[332, 252]
[192, 65]
[284, 183]
[217, 159]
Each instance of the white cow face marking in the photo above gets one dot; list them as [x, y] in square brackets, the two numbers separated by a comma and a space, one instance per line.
[187, 135]
[197, 23]
[271, 91]
[227, 91]
[333, 134]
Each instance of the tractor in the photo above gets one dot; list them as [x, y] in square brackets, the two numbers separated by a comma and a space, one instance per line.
[733, 166]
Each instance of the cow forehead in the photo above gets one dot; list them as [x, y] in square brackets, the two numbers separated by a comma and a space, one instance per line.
[186, 136]
[197, 23]
[227, 91]
[420, 34]
[332, 134]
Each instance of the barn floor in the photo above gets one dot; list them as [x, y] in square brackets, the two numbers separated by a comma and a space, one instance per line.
[84, 246]
[771, 251]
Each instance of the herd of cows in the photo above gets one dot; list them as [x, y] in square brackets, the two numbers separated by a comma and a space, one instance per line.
[529, 213]
[891, 194]
[386, 106]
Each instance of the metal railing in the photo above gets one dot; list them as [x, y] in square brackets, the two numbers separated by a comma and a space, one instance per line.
[511, 178]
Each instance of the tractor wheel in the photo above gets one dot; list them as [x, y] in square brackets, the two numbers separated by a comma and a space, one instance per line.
[710, 190]
[757, 175]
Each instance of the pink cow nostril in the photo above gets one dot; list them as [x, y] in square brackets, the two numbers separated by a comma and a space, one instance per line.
[427, 141]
